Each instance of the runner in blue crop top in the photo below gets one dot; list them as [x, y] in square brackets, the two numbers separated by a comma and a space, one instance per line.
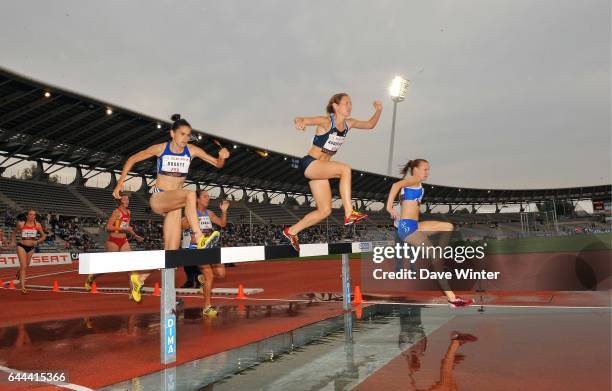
[169, 197]
[317, 167]
[410, 191]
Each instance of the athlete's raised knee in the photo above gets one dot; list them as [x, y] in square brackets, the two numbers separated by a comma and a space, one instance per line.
[446, 227]
[345, 170]
[324, 210]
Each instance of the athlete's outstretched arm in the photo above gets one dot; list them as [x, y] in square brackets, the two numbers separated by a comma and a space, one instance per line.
[154, 150]
[217, 162]
[302, 122]
[369, 124]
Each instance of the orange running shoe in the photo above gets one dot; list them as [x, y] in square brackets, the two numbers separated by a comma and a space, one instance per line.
[354, 218]
[293, 239]
[459, 302]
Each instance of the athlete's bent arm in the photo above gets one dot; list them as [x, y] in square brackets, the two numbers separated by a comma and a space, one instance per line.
[369, 124]
[302, 122]
[152, 151]
[40, 230]
[220, 221]
[14, 235]
[217, 162]
[393, 193]
[131, 231]
[110, 224]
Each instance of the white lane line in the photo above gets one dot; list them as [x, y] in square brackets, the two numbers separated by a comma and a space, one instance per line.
[51, 274]
[125, 291]
[489, 305]
[69, 386]
[38, 275]
[49, 289]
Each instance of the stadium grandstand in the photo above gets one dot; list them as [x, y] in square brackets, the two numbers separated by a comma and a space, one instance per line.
[55, 129]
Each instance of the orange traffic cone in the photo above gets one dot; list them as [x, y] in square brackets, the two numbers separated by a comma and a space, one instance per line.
[55, 286]
[11, 284]
[156, 289]
[358, 299]
[94, 288]
[359, 312]
[240, 295]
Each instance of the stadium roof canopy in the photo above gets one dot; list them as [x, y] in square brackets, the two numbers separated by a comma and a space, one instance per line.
[45, 123]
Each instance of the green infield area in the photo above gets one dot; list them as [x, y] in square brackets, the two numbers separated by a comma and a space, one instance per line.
[574, 243]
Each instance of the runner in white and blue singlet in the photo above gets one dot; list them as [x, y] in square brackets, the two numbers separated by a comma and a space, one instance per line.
[169, 197]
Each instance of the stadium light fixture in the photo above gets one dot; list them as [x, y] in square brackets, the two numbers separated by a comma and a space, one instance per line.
[159, 126]
[398, 90]
[109, 111]
[235, 146]
[47, 94]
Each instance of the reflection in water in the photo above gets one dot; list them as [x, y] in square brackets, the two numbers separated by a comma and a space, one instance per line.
[348, 351]
[16, 341]
[411, 326]
[447, 364]
[413, 342]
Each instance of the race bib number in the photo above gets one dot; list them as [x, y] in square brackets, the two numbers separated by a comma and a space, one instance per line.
[205, 223]
[28, 233]
[334, 142]
[176, 164]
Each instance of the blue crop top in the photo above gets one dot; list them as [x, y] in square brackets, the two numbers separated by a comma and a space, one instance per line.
[413, 194]
[331, 141]
[173, 164]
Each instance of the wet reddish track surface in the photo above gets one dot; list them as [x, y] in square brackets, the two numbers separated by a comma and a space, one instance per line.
[102, 339]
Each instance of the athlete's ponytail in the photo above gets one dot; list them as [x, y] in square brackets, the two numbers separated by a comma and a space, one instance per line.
[177, 122]
[407, 168]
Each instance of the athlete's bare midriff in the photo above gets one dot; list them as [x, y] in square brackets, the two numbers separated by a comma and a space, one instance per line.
[317, 153]
[410, 210]
[167, 183]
